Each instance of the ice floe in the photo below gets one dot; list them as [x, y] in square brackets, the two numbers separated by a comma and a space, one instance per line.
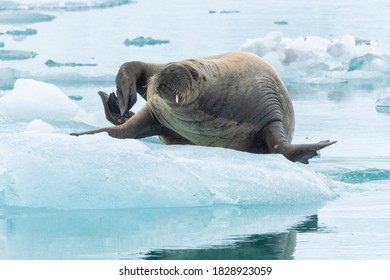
[52, 63]
[23, 17]
[324, 59]
[16, 54]
[41, 166]
[55, 5]
[144, 41]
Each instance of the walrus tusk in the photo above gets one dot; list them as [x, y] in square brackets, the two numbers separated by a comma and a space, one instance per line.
[177, 98]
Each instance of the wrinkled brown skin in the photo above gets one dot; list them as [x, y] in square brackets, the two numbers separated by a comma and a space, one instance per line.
[235, 100]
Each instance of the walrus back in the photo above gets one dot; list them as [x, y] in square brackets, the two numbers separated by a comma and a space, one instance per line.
[247, 89]
[239, 94]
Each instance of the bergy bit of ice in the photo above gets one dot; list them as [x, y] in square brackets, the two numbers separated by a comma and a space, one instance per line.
[336, 54]
[31, 99]
[40, 168]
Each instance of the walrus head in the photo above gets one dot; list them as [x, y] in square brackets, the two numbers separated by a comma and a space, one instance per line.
[175, 83]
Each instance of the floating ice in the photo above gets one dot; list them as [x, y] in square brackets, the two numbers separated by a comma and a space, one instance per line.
[313, 57]
[224, 12]
[16, 55]
[75, 97]
[23, 17]
[383, 105]
[142, 41]
[1, 45]
[32, 99]
[70, 5]
[52, 63]
[281, 22]
[21, 31]
[39, 168]
[42, 166]
[361, 176]
[229, 12]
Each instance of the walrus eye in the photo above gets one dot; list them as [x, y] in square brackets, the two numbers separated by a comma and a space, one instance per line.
[194, 74]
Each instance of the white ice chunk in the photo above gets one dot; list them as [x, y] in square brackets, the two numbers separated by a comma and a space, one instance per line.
[31, 99]
[298, 57]
[39, 126]
[53, 170]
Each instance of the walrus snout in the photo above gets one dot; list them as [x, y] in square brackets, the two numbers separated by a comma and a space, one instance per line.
[175, 82]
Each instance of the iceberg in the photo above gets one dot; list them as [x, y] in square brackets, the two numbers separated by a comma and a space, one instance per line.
[41, 166]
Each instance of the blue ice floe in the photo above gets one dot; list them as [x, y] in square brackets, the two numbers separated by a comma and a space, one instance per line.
[142, 41]
[323, 60]
[52, 63]
[21, 31]
[16, 54]
[23, 17]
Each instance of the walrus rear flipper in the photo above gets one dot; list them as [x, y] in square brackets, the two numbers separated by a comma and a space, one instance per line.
[303, 152]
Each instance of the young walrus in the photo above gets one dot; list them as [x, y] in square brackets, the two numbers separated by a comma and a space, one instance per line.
[235, 100]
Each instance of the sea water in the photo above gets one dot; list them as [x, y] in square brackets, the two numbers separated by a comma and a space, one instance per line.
[96, 197]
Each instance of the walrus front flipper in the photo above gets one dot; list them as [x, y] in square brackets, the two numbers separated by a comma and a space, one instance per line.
[303, 152]
[140, 125]
[111, 109]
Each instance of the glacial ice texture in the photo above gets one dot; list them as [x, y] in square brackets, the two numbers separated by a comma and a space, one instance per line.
[41, 166]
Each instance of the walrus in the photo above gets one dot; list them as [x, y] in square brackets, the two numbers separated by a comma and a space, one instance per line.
[234, 100]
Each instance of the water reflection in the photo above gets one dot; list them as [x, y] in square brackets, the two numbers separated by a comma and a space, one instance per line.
[269, 246]
[219, 232]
